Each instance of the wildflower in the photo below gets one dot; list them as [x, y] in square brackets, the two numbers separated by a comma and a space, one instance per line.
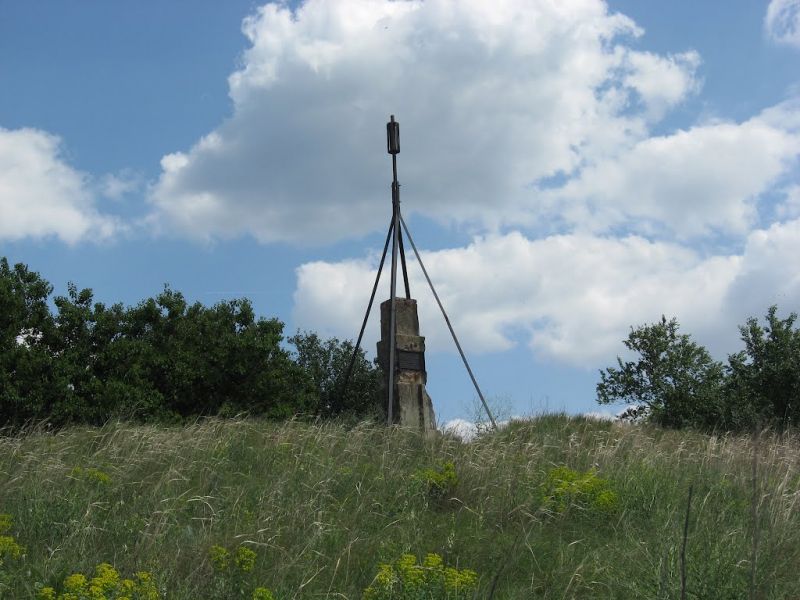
[408, 580]
[440, 482]
[262, 593]
[245, 559]
[75, 583]
[46, 593]
[5, 523]
[219, 558]
[9, 548]
[106, 579]
[90, 474]
[432, 561]
[566, 487]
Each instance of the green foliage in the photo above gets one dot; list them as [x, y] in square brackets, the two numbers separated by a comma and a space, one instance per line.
[325, 362]
[764, 380]
[678, 384]
[262, 593]
[566, 489]
[29, 384]
[404, 579]
[439, 483]
[163, 359]
[232, 573]
[107, 584]
[673, 377]
[90, 474]
[10, 549]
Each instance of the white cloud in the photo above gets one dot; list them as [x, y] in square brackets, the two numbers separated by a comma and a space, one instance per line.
[692, 182]
[571, 298]
[662, 82]
[507, 92]
[41, 195]
[782, 22]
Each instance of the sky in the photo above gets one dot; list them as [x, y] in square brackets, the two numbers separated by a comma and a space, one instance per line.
[569, 169]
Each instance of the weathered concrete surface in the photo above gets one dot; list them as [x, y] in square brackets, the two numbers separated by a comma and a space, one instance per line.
[412, 405]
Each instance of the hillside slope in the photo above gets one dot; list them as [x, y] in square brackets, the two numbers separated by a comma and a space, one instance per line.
[551, 508]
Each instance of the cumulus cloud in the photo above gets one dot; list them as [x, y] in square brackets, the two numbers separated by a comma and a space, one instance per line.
[570, 298]
[691, 183]
[510, 92]
[41, 195]
[782, 22]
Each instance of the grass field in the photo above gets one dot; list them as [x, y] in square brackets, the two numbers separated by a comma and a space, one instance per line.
[555, 507]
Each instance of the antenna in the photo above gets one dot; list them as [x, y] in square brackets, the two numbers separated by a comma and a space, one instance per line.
[409, 360]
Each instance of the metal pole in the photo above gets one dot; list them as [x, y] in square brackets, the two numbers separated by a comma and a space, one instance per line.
[393, 317]
[449, 326]
[393, 147]
[366, 315]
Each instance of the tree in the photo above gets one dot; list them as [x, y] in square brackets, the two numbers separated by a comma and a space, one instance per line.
[673, 377]
[325, 363]
[28, 382]
[763, 385]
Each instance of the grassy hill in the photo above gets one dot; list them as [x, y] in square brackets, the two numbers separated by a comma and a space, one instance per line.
[551, 508]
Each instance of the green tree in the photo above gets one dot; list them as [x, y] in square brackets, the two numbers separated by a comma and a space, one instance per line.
[28, 384]
[325, 362]
[674, 378]
[764, 379]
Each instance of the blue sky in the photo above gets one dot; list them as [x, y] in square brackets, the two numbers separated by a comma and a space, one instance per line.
[570, 169]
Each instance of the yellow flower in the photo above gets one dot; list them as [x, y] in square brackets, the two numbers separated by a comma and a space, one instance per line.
[219, 557]
[106, 578]
[245, 559]
[10, 548]
[432, 561]
[385, 576]
[5, 522]
[46, 593]
[75, 583]
[262, 593]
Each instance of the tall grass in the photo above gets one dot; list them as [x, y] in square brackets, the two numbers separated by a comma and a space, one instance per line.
[322, 505]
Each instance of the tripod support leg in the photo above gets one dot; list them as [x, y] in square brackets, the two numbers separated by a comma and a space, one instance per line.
[403, 265]
[366, 315]
[449, 326]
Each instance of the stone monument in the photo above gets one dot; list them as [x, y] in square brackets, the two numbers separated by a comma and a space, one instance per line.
[412, 407]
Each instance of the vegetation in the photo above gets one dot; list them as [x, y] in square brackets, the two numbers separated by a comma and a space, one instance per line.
[675, 382]
[556, 507]
[161, 360]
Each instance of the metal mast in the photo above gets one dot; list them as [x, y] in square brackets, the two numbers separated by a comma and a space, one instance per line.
[393, 147]
[396, 228]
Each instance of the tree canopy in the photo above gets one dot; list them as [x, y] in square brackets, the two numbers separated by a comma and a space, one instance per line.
[163, 359]
[677, 383]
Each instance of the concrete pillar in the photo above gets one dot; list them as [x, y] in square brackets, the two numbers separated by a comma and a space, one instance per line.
[412, 405]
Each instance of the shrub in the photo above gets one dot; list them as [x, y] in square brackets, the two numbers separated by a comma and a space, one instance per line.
[406, 580]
